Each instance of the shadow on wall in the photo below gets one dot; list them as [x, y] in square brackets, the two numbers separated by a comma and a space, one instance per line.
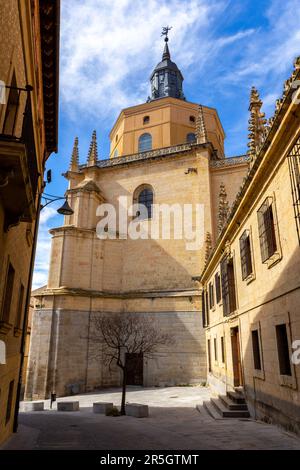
[62, 357]
[271, 380]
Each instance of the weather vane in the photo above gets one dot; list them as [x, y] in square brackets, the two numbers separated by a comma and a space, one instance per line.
[165, 32]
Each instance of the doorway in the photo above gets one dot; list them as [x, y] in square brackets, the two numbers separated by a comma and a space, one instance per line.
[236, 357]
[134, 369]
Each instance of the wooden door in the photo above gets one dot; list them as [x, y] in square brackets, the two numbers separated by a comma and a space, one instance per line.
[236, 357]
[134, 369]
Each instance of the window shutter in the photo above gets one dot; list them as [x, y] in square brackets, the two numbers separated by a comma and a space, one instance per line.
[224, 284]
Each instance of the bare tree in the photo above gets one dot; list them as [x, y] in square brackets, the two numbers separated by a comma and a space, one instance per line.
[117, 334]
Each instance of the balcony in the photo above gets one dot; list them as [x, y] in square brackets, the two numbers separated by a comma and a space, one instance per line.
[18, 161]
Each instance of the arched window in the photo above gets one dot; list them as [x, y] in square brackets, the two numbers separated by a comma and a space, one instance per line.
[145, 142]
[144, 195]
[191, 138]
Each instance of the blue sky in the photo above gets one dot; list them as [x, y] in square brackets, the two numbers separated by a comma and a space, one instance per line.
[109, 48]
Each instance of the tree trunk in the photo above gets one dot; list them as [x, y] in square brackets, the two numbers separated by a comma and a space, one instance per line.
[123, 412]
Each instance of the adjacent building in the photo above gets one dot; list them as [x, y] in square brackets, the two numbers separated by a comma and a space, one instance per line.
[29, 37]
[251, 282]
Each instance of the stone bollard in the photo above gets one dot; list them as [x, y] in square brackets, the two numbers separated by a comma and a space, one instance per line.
[33, 406]
[102, 407]
[68, 406]
[137, 410]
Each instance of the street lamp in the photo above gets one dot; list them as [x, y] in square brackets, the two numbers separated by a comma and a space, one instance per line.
[65, 209]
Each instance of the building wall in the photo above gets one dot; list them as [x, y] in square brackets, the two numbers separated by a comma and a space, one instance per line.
[89, 276]
[269, 297]
[169, 123]
[20, 52]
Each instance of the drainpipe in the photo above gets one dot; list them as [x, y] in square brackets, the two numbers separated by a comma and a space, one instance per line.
[25, 317]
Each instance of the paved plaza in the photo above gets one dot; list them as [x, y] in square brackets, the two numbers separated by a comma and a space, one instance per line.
[174, 423]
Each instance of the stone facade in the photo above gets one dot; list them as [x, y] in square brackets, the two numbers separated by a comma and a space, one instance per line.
[252, 322]
[155, 277]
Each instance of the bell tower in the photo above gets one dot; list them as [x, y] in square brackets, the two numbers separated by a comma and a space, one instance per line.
[166, 79]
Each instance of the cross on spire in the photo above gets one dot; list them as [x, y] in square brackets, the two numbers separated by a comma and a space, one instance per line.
[165, 32]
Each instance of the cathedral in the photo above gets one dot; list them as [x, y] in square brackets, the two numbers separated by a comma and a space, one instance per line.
[166, 151]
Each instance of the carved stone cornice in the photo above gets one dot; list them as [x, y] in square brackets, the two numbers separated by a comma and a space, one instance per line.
[141, 156]
[229, 161]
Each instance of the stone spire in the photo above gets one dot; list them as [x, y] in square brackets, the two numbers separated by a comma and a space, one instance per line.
[257, 124]
[201, 134]
[223, 211]
[93, 151]
[208, 246]
[75, 156]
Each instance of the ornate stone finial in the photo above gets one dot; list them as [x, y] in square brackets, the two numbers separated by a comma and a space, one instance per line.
[297, 63]
[223, 208]
[257, 123]
[201, 134]
[208, 246]
[93, 151]
[75, 156]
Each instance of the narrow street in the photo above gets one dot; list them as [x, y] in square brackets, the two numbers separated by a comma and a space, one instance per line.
[173, 423]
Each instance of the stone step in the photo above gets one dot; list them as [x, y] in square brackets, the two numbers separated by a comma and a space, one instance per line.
[226, 413]
[239, 390]
[236, 397]
[231, 405]
[211, 410]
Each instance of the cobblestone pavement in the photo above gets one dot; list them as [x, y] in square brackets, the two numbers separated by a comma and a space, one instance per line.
[174, 423]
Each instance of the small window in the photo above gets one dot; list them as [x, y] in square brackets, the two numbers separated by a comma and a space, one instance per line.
[216, 349]
[146, 120]
[191, 138]
[218, 287]
[9, 401]
[266, 229]
[283, 350]
[203, 310]
[209, 355]
[192, 119]
[145, 142]
[207, 308]
[228, 286]
[222, 350]
[19, 316]
[117, 138]
[10, 119]
[211, 295]
[9, 285]
[245, 253]
[256, 350]
[144, 195]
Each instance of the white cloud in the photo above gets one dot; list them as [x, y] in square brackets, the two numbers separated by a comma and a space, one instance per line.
[271, 51]
[109, 48]
[41, 267]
